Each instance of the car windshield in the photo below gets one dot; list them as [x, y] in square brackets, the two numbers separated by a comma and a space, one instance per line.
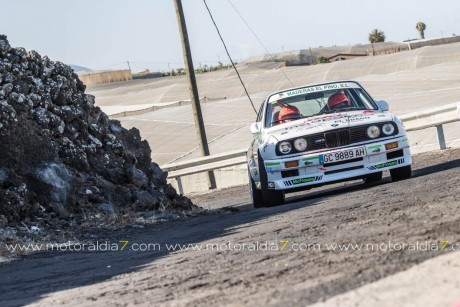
[312, 101]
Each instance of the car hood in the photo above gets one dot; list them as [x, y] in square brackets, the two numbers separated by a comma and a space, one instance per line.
[326, 122]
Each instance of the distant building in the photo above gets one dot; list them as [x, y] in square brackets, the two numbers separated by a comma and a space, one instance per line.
[345, 56]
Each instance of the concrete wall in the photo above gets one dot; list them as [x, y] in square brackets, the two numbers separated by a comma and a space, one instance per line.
[433, 42]
[389, 49]
[110, 76]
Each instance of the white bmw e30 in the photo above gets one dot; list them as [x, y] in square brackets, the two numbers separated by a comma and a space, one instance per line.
[321, 134]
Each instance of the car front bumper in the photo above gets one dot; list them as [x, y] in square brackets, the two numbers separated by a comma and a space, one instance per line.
[311, 169]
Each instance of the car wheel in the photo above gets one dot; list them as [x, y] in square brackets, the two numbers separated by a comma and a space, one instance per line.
[270, 197]
[256, 194]
[401, 173]
[374, 177]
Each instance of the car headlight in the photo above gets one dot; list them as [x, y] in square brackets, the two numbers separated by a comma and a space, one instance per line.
[285, 147]
[373, 132]
[300, 144]
[388, 129]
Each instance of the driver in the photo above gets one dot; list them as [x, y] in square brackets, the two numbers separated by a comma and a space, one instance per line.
[338, 101]
[288, 113]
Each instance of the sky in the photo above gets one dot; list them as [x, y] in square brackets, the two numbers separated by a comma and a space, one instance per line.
[105, 34]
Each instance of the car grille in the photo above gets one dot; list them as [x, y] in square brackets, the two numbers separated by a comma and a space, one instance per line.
[337, 138]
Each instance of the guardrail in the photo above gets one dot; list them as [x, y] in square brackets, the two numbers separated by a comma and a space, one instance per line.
[204, 164]
[435, 117]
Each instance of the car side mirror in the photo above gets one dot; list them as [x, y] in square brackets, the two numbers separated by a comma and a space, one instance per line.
[255, 128]
[383, 105]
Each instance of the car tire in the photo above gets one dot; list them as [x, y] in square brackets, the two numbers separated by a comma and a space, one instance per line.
[374, 177]
[401, 173]
[270, 197]
[256, 194]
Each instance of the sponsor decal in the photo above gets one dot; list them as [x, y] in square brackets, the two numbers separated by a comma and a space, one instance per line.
[312, 89]
[336, 118]
[375, 148]
[311, 158]
[386, 164]
[302, 180]
[308, 161]
[356, 118]
[321, 119]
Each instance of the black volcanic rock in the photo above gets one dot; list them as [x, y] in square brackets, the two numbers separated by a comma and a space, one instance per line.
[60, 155]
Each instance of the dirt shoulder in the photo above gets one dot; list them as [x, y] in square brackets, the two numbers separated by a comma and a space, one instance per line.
[234, 256]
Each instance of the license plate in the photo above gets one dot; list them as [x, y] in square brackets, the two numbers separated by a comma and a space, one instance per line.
[343, 155]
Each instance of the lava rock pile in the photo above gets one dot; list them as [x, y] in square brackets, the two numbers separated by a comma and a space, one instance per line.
[60, 155]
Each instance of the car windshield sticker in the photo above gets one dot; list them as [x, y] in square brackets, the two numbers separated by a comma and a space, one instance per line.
[312, 89]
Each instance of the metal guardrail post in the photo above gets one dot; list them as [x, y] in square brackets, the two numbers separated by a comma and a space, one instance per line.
[441, 139]
[179, 186]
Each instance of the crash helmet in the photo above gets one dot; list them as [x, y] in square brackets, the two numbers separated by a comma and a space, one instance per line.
[337, 99]
[288, 113]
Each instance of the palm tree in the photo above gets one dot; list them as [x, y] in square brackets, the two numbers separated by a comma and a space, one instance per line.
[376, 36]
[420, 26]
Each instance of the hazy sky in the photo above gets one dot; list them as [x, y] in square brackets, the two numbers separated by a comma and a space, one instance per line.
[104, 34]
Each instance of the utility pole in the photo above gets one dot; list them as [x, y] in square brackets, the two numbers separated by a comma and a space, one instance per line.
[129, 65]
[193, 89]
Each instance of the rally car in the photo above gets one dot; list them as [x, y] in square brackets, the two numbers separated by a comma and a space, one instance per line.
[320, 134]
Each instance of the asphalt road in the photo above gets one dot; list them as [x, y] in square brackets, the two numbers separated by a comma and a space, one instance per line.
[272, 256]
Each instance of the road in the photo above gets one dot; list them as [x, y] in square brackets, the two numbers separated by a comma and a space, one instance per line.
[253, 256]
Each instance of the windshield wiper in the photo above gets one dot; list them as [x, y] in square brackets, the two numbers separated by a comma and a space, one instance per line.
[352, 109]
[339, 110]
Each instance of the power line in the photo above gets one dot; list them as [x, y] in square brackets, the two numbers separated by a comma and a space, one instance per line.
[228, 54]
[244, 20]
